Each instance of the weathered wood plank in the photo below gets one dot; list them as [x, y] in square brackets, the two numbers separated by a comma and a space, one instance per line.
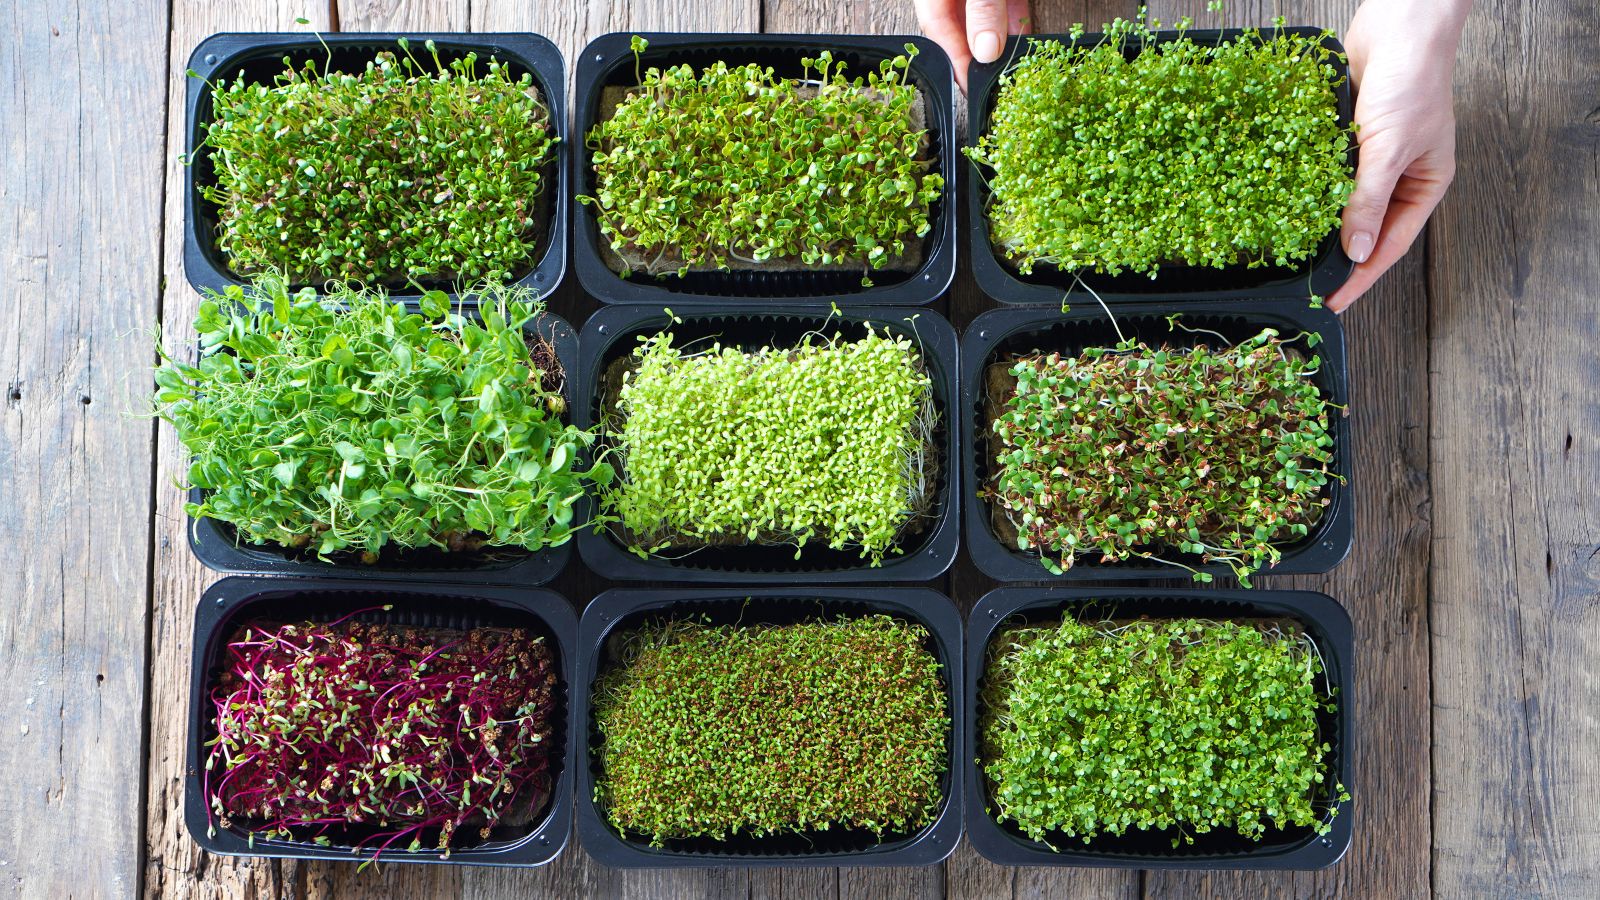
[80, 213]
[1515, 460]
[174, 865]
[1384, 582]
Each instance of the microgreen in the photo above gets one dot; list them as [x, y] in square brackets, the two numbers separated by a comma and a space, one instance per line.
[827, 440]
[390, 174]
[344, 422]
[1130, 450]
[711, 731]
[1092, 728]
[1188, 153]
[736, 165]
[394, 730]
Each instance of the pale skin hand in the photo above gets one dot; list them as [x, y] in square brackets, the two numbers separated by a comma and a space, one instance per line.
[972, 30]
[1402, 59]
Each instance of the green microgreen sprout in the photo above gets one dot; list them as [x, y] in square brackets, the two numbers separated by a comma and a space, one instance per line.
[343, 422]
[734, 167]
[392, 174]
[1093, 728]
[827, 440]
[1199, 154]
[713, 731]
[1221, 453]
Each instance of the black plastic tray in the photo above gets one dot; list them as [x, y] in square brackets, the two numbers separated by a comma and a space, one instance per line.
[1020, 330]
[545, 613]
[613, 332]
[1295, 848]
[629, 608]
[216, 543]
[260, 57]
[609, 60]
[1320, 275]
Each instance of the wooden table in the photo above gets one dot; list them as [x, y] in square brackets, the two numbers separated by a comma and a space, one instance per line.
[1473, 585]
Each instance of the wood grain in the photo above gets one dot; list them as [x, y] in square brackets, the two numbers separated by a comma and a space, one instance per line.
[79, 273]
[1515, 461]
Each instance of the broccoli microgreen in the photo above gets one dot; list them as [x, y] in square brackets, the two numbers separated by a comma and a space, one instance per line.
[389, 174]
[1191, 153]
[733, 164]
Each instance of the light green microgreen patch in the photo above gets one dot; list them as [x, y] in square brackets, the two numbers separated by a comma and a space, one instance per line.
[345, 423]
[1125, 451]
[1190, 153]
[1099, 728]
[712, 731]
[827, 440]
[695, 169]
[385, 175]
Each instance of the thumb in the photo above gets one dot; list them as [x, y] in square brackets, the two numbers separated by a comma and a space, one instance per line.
[986, 29]
[1379, 168]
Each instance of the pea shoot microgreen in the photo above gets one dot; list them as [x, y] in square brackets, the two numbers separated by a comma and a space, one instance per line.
[343, 422]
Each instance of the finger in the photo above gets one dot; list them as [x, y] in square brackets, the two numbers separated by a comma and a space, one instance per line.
[1414, 202]
[1382, 161]
[1019, 17]
[943, 23]
[987, 26]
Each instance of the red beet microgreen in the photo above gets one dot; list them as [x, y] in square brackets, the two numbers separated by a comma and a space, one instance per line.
[386, 733]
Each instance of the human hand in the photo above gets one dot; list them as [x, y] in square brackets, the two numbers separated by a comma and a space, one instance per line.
[1402, 59]
[971, 29]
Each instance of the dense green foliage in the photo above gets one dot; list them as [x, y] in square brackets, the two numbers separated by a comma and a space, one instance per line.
[346, 423]
[695, 169]
[712, 731]
[1092, 729]
[1198, 153]
[1129, 450]
[828, 440]
[384, 175]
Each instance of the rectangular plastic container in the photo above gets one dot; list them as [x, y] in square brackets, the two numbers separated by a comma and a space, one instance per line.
[231, 601]
[1320, 275]
[620, 610]
[1295, 848]
[217, 543]
[614, 331]
[609, 60]
[1004, 331]
[259, 58]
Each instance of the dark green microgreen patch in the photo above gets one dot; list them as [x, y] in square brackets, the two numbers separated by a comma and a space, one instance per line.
[346, 423]
[755, 730]
[697, 169]
[1098, 728]
[393, 729]
[1125, 451]
[386, 175]
[828, 440]
[1189, 153]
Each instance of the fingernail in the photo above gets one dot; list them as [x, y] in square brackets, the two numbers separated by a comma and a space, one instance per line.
[986, 47]
[1359, 246]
